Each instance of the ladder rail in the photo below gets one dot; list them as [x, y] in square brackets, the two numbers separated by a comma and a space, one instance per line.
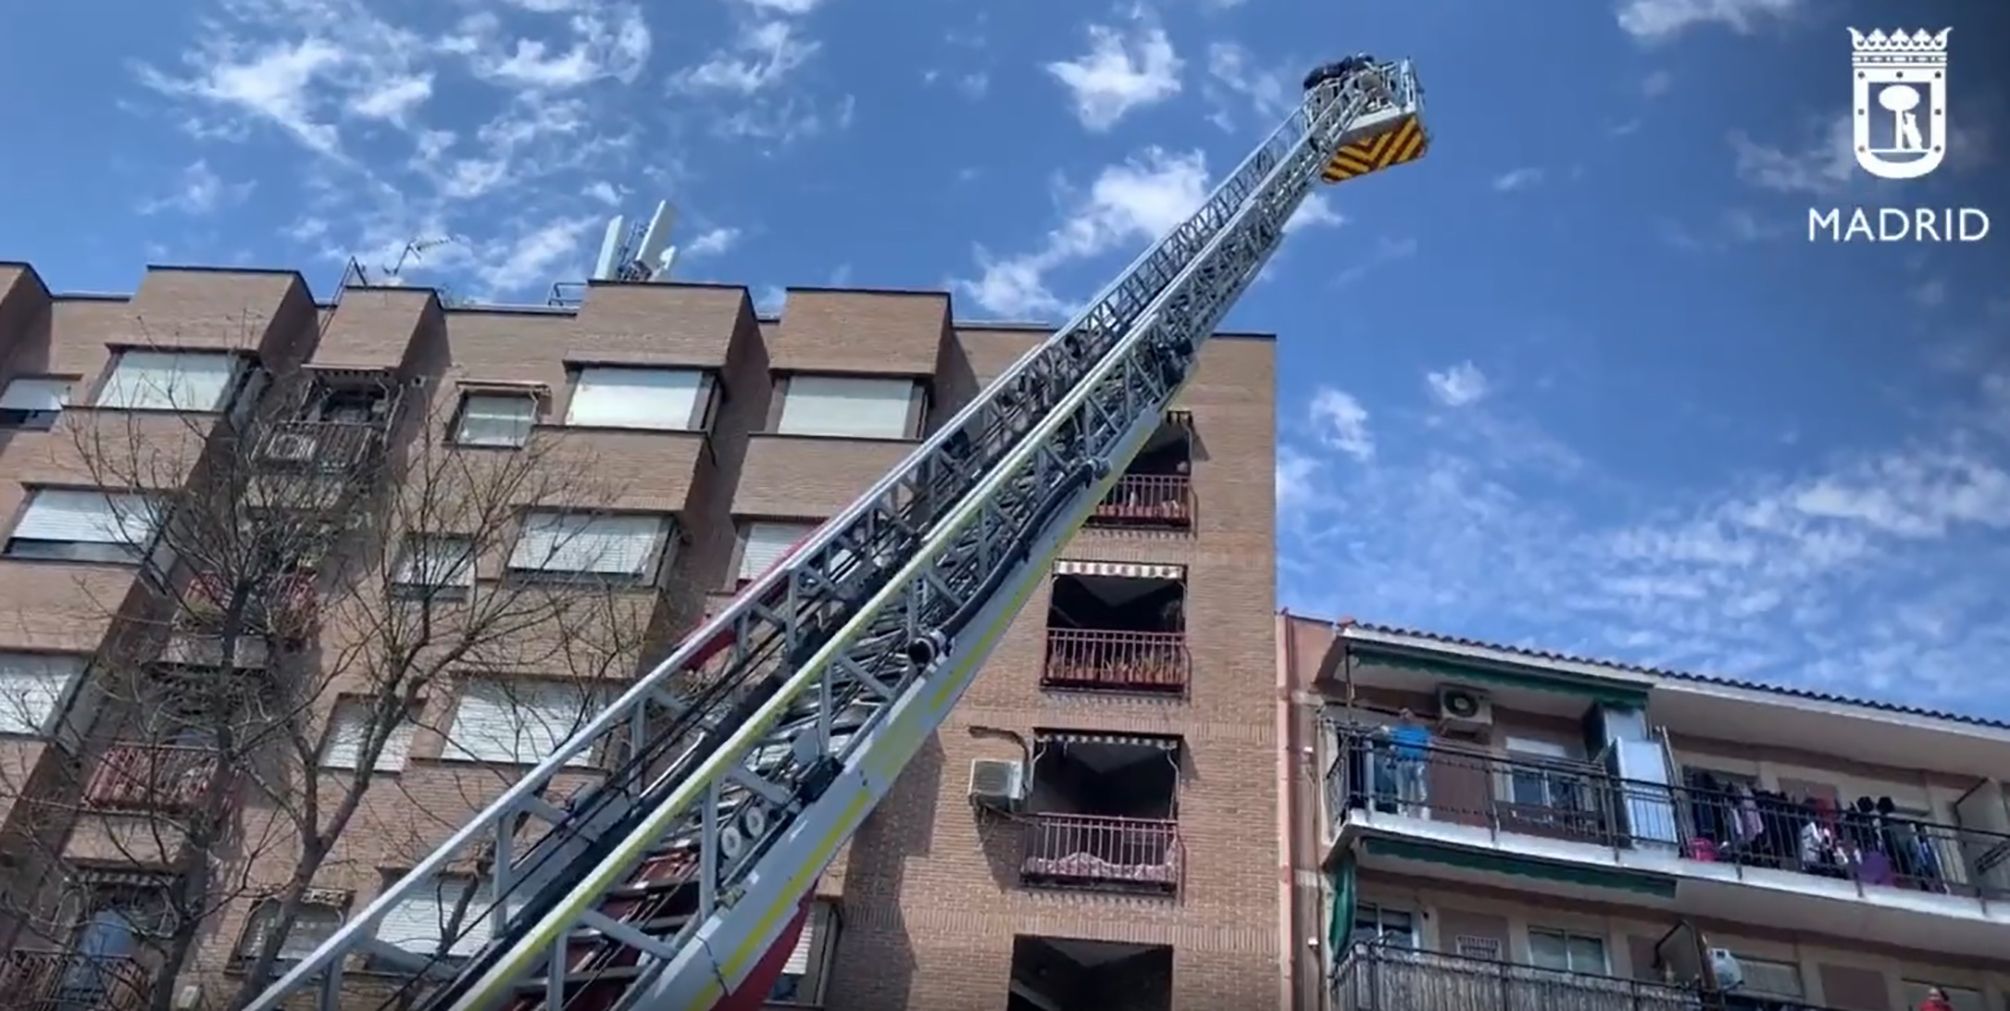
[806, 578]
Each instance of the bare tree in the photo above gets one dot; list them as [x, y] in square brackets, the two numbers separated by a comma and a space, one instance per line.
[321, 563]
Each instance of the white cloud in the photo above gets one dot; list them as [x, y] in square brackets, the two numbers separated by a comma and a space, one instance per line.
[1314, 212]
[1517, 179]
[762, 57]
[1233, 71]
[394, 99]
[199, 191]
[712, 242]
[270, 84]
[1930, 292]
[783, 6]
[603, 191]
[1822, 166]
[1871, 574]
[1457, 386]
[1119, 74]
[1659, 20]
[535, 255]
[1342, 423]
[1135, 201]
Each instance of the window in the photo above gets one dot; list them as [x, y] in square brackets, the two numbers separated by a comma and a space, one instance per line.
[1381, 923]
[92, 526]
[1567, 952]
[802, 978]
[766, 540]
[436, 912]
[32, 685]
[519, 722]
[33, 402]
[314, 921]
[1773, 979]
[662, 399]
[495, 419]
[856, 406]
[345, 738]
[1535, 789]
[169, 380]
[435, 566]
[620, 546]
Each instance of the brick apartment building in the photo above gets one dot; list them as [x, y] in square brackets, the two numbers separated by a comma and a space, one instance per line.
[1577, 833]
[1134, 690]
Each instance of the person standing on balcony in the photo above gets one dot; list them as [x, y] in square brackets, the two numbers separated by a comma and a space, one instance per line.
[1413, 743]
[1936, 1000]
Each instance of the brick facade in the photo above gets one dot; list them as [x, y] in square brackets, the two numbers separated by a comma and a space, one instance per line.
[928, 893]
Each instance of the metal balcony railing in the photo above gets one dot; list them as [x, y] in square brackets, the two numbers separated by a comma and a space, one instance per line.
[1384, 977]
[150, 777]
[1100, 851]
[325, 446]
[286, 607]
[1116, 661]
[68, 981]
[1581, 802]
[1147, 500]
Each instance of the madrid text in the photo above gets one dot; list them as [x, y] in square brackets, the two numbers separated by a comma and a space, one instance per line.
[1898, 224]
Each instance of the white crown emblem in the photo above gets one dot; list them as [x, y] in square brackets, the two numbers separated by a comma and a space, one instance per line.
[1921, 47]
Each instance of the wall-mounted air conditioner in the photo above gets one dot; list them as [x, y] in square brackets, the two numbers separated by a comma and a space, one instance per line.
[998, 785]
[1463, 709]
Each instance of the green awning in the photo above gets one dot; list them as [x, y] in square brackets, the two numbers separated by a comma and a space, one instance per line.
[1614, 878]
[1589, 689]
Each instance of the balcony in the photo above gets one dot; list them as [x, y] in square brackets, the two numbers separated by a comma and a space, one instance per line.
[1147, 500]
[1380, 977]
[283, 606]
[67, 981]
[1091, 659]
[1684, 830]
[1155, 491]
[150, 777]
[318, 447]
[1094, 851]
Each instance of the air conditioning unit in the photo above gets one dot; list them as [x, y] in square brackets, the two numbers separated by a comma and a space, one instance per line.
[998, 785]
[1463, 709]
[290, 446]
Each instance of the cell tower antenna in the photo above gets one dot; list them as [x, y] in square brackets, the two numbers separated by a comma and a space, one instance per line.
[637, 251]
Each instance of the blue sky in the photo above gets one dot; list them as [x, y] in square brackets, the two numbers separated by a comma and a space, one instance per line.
[1576, 380]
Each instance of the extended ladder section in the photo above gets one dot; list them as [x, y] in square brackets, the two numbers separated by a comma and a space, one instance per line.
[735, 769]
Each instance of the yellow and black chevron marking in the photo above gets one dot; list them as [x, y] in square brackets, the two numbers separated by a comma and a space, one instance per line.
[1402, 142]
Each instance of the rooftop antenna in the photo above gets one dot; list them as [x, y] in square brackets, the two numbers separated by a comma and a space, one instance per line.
[415, 250]
[638, 253]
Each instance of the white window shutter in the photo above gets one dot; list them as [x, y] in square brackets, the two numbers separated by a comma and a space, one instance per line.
[345, 739]
[636, 398]
[35, 394]
[496, 419]
[170, 380]
[857, 406]
[519, 722]
[97, 517]
[611, 545]
[766, 541]
[418, 923]
[437, 560]
[32, 685]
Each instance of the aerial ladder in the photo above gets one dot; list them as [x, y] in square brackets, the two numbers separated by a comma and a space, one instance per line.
[735, 769]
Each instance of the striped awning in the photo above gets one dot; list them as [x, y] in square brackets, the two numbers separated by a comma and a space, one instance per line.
[1126, 570]
[1105, 737]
